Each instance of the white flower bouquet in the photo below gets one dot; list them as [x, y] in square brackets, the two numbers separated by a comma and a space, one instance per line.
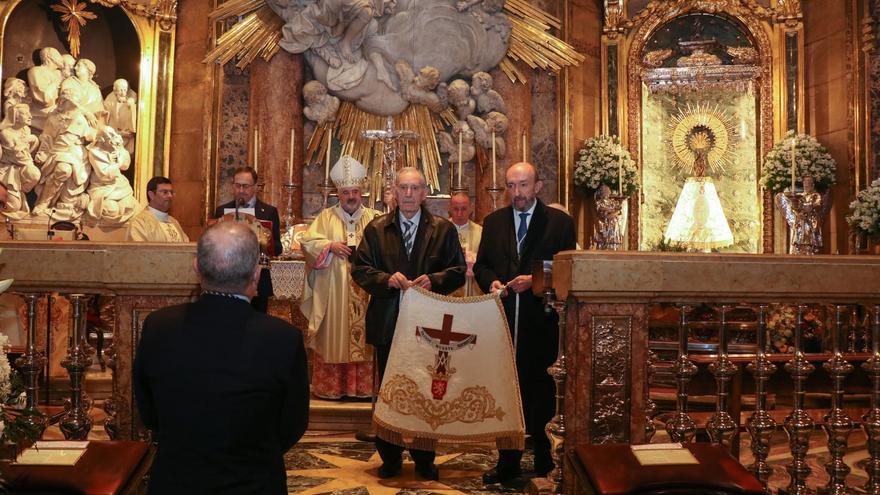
[865, 216]
[811, 158]
[602, 160]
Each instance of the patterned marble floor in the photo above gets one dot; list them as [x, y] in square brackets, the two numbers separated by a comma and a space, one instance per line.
[339, 465]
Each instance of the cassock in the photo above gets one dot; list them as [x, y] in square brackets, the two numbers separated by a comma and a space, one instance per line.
[335, 306]
[469, 236]
[535, 332]
[152, 225]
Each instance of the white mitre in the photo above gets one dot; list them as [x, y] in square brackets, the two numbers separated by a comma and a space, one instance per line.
[348, 172]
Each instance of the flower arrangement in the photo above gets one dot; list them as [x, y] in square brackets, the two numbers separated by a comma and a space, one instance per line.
[865, 216]
[602, 160]
[781, 324]
[811, 158]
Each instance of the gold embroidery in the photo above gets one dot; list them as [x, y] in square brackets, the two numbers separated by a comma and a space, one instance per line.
[357, 312]
[474, 405]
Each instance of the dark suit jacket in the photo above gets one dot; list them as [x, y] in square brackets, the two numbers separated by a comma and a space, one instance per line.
[436, 252]
[264, 211]
[225, 390]
[550, 231]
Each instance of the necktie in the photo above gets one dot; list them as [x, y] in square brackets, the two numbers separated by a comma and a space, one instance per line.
[523, 227]
[409, 236]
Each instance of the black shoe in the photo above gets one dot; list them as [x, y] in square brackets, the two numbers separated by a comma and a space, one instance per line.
[428, 472]
[494, 476]
[391, 470]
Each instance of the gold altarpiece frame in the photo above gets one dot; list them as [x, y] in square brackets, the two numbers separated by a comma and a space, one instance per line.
[154, 22]
[767, 25]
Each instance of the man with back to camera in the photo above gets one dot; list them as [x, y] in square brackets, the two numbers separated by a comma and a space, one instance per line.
[513, 237]
[244, 189]
[406, 247]
[153, 223]
[224, 388]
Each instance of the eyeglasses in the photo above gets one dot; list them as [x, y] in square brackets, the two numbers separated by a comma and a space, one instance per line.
[242, 187]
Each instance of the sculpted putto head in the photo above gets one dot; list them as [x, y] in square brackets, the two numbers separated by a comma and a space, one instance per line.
[459, 92]
[480, 83]
[497, 122]
[314, 92]
[428, 78]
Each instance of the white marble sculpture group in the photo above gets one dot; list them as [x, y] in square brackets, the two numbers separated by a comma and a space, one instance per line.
[63, 139]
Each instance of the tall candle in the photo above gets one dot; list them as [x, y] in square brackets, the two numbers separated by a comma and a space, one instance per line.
[327, 157]
[793, 165]
[620, 173]
[256, 147]
[524, 153]
[459, 157]
[494, 172]
[290, 160]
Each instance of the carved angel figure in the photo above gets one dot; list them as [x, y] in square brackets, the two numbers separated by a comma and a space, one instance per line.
[804, 212]
[608, 233]
[420, 88]
[17, 170]
[459, 95]
[321, 107]
[449, 142]
[483, 128]
[487, 99]
[111, 199]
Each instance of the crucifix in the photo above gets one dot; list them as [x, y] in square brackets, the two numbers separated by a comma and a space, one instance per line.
[445, 341]
[389, 137]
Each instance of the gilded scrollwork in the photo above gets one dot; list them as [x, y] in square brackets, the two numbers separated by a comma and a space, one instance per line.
[756, 20]
[614, 18]
[612, 336]
[162, 11]
[656, 58]
[473, 405]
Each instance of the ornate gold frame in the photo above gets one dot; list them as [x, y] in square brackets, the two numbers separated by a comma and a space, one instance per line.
[757, 22]
[155, 28]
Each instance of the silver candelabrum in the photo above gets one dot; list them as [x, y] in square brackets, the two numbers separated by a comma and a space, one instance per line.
[837, 423]
[871, 420]
[798, 424]
[721, 427]
[30, 365]
[681, 427]
[761, 424]
[76, 423]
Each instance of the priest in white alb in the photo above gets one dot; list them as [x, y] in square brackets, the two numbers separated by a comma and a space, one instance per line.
[333, 305]
[469, 234]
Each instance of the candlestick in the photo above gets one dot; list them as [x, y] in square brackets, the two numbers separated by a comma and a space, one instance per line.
[793, 165]
[620, 173]
[327, 158]
[459, 156]
[524, 153]
[256, 147]
[494, 171]
[290, 160]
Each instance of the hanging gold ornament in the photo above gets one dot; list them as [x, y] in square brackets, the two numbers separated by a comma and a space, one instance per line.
[74, 15]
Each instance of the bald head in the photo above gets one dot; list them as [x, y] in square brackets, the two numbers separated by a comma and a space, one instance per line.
[459, 208]
[226, 258]
[523, 185]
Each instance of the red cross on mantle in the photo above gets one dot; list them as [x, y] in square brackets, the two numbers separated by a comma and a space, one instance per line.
[445, 341]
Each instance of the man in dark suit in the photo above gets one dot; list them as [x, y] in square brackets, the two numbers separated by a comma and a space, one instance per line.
[244, 184]
[406, 247]
[224, 388]
[513, 237]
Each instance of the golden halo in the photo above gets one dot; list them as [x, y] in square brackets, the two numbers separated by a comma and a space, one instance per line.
[700, 127]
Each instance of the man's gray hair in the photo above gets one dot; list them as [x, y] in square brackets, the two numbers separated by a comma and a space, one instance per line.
[227, 255]
[410, 170]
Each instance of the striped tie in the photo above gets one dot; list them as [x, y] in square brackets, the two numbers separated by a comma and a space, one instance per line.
[409, 236]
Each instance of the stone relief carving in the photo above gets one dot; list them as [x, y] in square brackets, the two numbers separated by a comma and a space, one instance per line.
[17, 170]
[353, 45]
[44, 81]
[448, 142]
[111, 199]
[609, 410]
[320, 107]
[121, 108]
[488, 100]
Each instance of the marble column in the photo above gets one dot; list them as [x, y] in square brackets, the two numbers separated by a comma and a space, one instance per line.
[275, 109]
[518, 99]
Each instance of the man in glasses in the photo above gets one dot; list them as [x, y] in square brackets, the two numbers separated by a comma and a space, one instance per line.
[153, 223]
[244, 190]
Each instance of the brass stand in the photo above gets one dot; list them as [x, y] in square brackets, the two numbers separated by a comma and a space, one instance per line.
[761, 424]
[871, 420]
[798, 424]
[495, 192]
[326, 189]
[459, 190]
[289, 217]
[837, 423]
[30, 365]
[76, 423]
[555, 429]
[680, 427]
[721, 427]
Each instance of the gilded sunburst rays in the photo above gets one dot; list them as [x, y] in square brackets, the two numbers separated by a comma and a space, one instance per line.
[702, 128]
[74, 15]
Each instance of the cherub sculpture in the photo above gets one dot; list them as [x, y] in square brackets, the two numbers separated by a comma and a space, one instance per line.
[483, 128]
[449, 142]
[459, 96]
[488, 100]
[420, 88]
[321, 107]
